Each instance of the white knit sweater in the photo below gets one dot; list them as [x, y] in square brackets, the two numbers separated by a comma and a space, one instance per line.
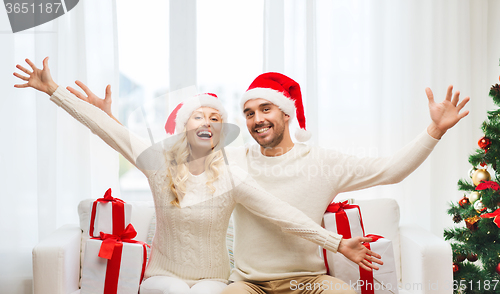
[308, 178]
[189, 242]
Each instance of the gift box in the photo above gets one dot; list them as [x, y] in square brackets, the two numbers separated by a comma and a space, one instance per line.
[382, 281]
[109, 215]
[344, 219]
[113, 264]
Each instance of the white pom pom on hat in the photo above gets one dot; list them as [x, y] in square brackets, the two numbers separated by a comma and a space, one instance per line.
[283, 92]
[180, 115]
[302, 135]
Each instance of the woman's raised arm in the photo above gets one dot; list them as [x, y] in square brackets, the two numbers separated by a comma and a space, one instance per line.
[100, 123]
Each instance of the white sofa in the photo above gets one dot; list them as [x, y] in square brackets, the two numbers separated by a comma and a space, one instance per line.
[423, 261]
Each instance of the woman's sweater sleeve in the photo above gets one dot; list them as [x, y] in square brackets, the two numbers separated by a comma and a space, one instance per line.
[291, 220]
[115, 135]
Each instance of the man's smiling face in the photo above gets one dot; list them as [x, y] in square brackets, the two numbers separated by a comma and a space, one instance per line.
[265, 122]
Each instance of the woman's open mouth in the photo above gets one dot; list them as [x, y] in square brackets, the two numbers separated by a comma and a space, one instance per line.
[204, 134]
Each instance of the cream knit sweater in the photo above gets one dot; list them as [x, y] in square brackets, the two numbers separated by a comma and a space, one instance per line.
[308, 178]
[190, 241]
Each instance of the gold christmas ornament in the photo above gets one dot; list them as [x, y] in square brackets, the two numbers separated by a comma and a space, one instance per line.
[480, 175]
[471, 223]
[474, 196]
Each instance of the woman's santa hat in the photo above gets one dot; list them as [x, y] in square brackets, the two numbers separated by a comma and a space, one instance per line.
[283, 92]
[180, 115]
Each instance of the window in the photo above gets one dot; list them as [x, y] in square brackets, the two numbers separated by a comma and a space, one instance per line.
[229, 38]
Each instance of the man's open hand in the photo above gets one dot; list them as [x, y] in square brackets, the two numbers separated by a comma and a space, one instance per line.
[446, 114]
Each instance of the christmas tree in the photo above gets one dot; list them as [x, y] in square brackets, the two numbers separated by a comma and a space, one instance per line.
[476, 246]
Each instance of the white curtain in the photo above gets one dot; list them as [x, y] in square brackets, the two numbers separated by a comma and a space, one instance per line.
[48, 160]
[363, 67]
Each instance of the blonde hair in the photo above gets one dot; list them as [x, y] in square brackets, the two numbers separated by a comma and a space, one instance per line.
[177, 167]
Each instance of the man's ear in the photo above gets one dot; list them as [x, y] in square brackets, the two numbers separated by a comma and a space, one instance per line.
[287, 117]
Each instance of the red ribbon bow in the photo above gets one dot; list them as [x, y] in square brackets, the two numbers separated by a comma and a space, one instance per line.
[373, 237]
[342, 221]
[111, 249]
[107, 196]
[109, 241]
[335, 207]
[118, 210]
[495, 215]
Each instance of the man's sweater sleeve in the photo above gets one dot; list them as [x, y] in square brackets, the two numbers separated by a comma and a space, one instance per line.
[360, 173]
[115, 135]
[291, 220]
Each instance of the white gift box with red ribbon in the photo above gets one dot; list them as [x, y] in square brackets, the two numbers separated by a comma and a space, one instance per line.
[109, 215]
[381, 281]
[113, 264]
[345, 219]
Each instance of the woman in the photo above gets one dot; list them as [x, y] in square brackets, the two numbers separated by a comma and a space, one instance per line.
[194, 192]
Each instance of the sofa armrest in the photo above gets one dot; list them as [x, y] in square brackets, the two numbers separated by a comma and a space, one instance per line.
[426, 261]
[56, 262]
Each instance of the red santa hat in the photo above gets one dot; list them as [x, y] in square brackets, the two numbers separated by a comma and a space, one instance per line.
[283, 92]
[180, 115]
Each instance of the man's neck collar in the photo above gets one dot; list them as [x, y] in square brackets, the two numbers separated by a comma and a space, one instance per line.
[276, 151]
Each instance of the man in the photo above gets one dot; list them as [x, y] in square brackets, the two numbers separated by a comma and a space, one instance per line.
[266, 259]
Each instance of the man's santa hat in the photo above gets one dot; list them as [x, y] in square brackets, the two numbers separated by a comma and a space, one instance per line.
[283, 92]
[180, 115]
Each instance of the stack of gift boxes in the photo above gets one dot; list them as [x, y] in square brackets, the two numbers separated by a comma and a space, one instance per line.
[345, 219]
[114, 262]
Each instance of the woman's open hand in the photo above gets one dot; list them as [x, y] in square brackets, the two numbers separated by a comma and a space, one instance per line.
[354, 250]
[39, 79]
[90, 97]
